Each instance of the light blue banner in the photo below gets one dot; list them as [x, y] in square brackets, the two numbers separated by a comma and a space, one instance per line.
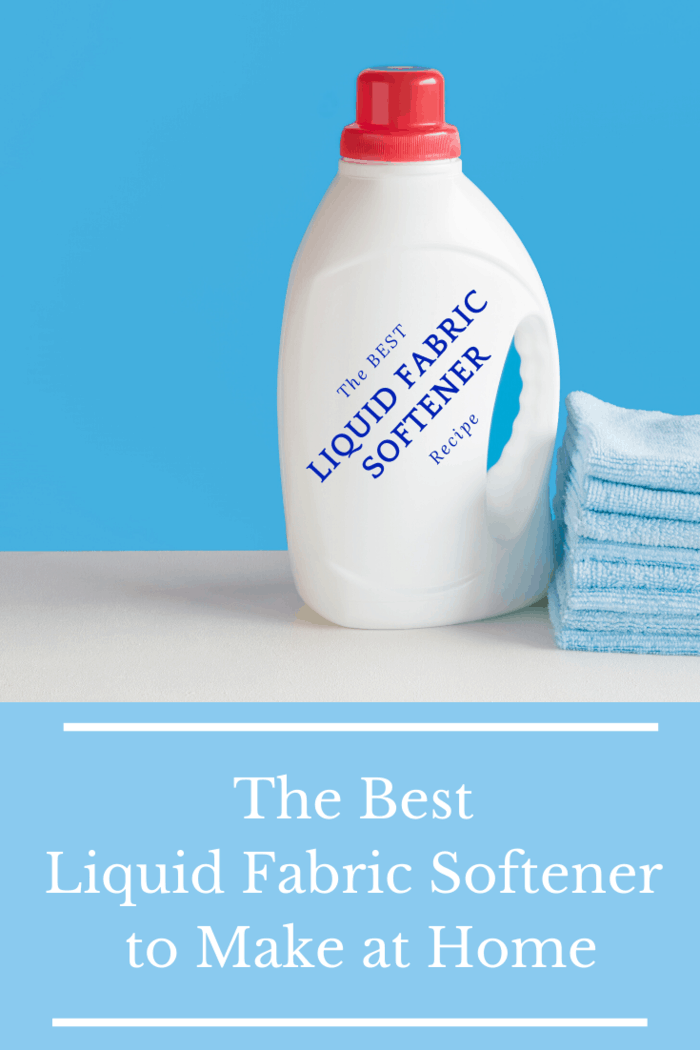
[511, 869]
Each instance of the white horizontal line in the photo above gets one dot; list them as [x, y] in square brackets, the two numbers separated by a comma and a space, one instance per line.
[360, 727]
[349, 1022]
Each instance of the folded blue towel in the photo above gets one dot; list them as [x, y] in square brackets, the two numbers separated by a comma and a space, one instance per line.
[610, 496]
[600, 573]
[623, 528]
[580, 548]
[624, 623]
[586, 609]
[614, 497]
[622, 599]
[623, 635]
[634, 447]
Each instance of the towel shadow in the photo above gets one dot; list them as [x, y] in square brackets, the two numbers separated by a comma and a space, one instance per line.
[530, 627]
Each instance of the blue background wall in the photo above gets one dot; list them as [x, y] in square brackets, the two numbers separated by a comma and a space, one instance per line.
[162, 160]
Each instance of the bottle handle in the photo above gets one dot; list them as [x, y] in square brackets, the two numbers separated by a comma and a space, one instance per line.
[519, 482]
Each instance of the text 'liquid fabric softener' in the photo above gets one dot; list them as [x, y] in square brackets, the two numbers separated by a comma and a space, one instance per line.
[404, 298]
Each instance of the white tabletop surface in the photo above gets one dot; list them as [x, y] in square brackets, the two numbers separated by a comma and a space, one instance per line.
[222, 626]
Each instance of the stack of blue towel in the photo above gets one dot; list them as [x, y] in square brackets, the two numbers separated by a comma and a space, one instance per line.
[627, 511]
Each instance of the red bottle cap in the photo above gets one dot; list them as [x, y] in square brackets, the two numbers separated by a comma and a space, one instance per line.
[400, 117]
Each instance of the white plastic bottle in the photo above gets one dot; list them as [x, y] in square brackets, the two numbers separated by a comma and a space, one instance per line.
[404, 298]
